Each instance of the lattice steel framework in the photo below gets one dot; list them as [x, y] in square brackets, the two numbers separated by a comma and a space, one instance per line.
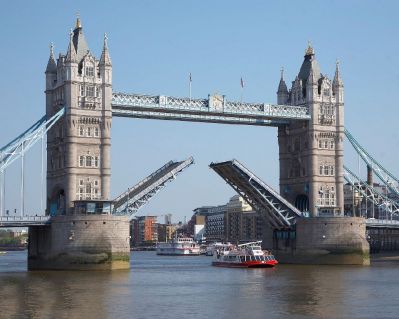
[263, 198]
[20, 145]
[385, 176]
[215, 109]
[129, 202]
[370, 193]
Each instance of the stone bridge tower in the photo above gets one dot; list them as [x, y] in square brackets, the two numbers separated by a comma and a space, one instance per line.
[78, 146]
[311, 153]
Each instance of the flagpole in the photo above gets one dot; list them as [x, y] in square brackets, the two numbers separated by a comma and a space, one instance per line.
[242, 88]
[190, 86]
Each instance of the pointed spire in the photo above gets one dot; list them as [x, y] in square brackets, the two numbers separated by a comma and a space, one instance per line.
[51, 65]
[105, 58]
[282, 87]
[337, 77]
[71, 53]
[78, 23]
[309, 50]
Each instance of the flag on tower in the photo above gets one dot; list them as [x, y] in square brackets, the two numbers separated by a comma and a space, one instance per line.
[242, 83]
[189, 84]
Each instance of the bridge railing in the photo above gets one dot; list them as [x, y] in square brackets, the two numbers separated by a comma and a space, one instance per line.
[23, 220]
[214, 105]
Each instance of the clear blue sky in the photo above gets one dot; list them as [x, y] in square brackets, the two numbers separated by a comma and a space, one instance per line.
[155, 44]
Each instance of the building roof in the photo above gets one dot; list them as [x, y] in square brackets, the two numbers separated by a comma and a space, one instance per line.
[79, 41]
[309, 64]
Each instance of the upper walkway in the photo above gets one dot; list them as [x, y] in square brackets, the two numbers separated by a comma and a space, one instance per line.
[214, 109]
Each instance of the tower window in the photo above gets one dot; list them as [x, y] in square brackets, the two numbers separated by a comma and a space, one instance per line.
[96, 132]
[82, 90]
[81, 161]
[89, 71]
[89, 131]
[90, 91]
[81, 182]
[81, 131]
[96, 161]
[326, 170]
[88, 161]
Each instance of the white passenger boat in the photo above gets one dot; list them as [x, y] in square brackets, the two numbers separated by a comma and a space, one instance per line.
[248, 255]
[211, 248]
[181, 246]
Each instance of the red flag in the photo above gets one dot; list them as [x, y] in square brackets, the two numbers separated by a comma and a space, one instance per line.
[242, 83]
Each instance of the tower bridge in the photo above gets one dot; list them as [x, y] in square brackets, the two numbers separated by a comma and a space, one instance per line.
[84, 229]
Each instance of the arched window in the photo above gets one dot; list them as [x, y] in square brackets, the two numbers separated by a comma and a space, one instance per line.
[96, 132]
[96, 161]
[89, 131]
[88, 161]
[325, 169]
[331, 170]
[81, 161]
[332, 144]
[88, 191]
[81, 131]
[321, 169]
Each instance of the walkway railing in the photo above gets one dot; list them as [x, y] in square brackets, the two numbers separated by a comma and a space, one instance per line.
[23, 221]
[215, 109]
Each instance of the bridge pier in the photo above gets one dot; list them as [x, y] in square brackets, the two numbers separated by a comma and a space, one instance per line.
[321, 240]
[80, 242]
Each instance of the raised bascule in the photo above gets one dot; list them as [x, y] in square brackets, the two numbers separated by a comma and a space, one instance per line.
[84, 229]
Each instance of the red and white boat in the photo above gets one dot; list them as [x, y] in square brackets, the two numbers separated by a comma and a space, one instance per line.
[248, 255]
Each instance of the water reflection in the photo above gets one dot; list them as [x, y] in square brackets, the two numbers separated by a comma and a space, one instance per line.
[58, 294]
[176, 287]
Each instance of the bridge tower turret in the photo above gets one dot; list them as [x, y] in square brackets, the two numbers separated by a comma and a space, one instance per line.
[78, 165]
[311, 153]
[282, 92]
[82, 233]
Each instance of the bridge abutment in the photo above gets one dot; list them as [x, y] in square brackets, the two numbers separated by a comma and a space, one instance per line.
[80, 242]
[321, 240]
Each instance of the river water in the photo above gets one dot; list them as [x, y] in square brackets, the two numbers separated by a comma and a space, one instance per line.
[189, 287]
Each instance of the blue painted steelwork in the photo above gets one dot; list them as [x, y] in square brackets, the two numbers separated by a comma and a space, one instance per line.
[25, 221]
[215, 109]
[263, 198]
[371, 194]
[129, 202]
[20, 145]
[385, 176]
[382, 223]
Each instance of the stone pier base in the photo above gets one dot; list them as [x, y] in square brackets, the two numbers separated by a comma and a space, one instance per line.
[80, 242]
[322, 240]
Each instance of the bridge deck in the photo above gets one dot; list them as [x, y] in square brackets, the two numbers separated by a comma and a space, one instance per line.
[130, 201]
[263, 198]
[23, 221]
[215, 109]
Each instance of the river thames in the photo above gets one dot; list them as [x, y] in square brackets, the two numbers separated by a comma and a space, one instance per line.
[189, 287]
